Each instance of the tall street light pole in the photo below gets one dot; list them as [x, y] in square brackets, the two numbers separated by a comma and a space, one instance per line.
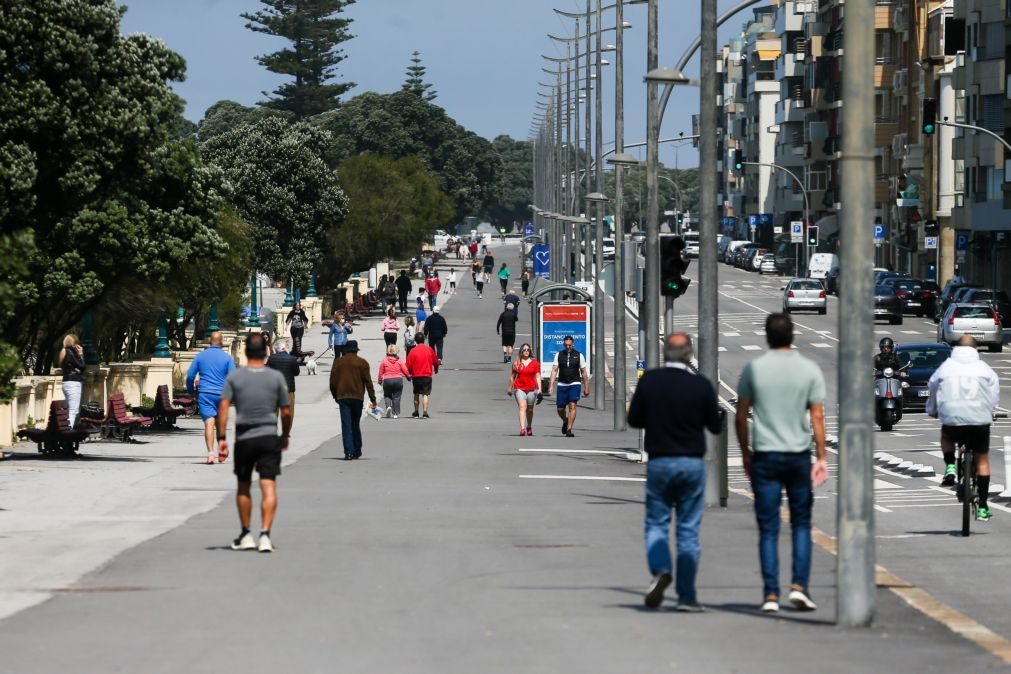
[649, 314]
[620, 379]
[598, 262]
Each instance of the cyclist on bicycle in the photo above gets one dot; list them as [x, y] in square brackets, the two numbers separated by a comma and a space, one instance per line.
[964, 393]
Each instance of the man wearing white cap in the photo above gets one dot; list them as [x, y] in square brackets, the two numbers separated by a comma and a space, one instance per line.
[436, 330]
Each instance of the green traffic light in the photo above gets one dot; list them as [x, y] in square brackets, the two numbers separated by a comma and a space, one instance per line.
[928, 128]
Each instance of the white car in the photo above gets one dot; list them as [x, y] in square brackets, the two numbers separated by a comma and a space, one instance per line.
[804, 294]
[768, 264]
[691, 244]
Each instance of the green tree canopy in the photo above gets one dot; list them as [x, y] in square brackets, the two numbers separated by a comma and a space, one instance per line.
[403, 124]
[89, 164]
[416, 79]
[393, 205]
[514, 191]
[282, 186]
[686, 180]
[315, 29]
[226, 115]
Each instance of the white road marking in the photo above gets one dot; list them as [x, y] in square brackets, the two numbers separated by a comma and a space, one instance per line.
[583, 477]
[574, 451]
[751, 347]
[822, 345]
[721, 348]
[881, 484]
[731, 334]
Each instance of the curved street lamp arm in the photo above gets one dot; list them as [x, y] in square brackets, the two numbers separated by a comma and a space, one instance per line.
[960, 125]
[803, 189]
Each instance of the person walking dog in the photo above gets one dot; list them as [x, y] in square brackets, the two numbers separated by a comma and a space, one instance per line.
[350, 381]
[674, 406]
[785, 411]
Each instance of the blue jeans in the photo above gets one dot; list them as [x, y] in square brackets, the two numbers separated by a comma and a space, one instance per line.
[771, 472]
[675, 482]
[351, 425]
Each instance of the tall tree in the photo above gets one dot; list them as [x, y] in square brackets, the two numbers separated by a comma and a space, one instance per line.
[315, 29]
[514, 190]
[89, 162]
[226, 115]
[281, 185]
[416, 79]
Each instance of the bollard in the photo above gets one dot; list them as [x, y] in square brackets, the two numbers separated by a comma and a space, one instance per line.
[1007, 467]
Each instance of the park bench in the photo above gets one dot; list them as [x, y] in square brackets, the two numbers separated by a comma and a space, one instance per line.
[183, 400]
[162, 413]
[116, 422]
[57, 437]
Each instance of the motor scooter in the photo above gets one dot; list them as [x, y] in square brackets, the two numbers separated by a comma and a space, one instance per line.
[888, 397]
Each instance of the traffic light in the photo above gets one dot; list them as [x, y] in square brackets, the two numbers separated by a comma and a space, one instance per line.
[929, 117]
[672, 266]
[930, 228]
[812, 236]
[738, 162]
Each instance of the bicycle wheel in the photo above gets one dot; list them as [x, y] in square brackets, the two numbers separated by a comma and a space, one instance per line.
[965, 490]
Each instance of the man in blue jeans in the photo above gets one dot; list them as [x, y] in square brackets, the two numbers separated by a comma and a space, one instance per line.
[777, 455]
[350, 382]
[674, 406]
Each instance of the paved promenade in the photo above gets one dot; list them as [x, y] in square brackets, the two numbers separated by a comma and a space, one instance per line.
[453, 545]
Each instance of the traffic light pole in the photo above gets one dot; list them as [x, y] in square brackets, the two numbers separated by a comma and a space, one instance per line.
[803, 189]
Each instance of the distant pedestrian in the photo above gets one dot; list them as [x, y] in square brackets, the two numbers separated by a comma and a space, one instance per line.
[503, 278]
[432, 286]
[525, 281]
[422, 365]
[391, 326]
[297, 323]
[72, 366]
[569, 368]
[513, 299]
[337, 338]
[451, 280]
[206, 377]
[488, 262]
[473, 250]
[674, 405]
[285, 363]
[390, 294]
[259, 394]
[420, 315]
[475, 269]
[957, 278]
[408, 335]
[785, 410]
[404, 287]
[479, 283]
[506, 326]
[350, 381]
[391, 377]
[436, 330]
[525, 384]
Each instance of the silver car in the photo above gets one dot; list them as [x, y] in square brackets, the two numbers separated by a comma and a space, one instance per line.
[768, 264]
[806, 294]
[977, 320]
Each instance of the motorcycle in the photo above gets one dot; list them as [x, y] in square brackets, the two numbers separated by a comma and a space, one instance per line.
[888, 397]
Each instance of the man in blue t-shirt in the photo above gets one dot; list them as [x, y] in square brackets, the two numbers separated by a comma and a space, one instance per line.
[211, 367]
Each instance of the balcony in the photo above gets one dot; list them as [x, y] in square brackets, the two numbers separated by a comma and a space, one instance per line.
[791, 65]
[792, 109]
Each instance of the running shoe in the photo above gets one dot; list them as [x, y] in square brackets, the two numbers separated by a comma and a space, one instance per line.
[415, 414]
[425, 416]
[388, 413]
[771, 604]
[801, 600]
[950, 473]
[654, 596]
[265, 544]
[565, 427]
[530, 431]
[693, 607]
[523, 432]
[570, 434]
[983, 515]
[244, 542]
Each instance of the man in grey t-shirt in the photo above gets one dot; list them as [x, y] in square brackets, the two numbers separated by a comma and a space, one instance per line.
[784, 389]
[258, 393]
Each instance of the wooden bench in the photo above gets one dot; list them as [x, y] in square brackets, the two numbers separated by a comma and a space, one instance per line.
[163, 414]
[58, 437]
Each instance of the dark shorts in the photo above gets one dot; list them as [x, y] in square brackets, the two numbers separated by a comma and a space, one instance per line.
[422, 386]
[976, 438]
[508, 338]
[263, 453]
[568, 394]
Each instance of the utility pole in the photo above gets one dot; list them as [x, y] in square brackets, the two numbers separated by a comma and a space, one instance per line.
[600, 355]
[620, 384]
[855, 587]
[649, 310]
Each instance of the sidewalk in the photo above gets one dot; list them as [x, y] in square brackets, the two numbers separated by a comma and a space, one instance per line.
[454, 545]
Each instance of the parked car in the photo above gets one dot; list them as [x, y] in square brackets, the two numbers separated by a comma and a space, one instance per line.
[935, 292]
[691, 244]
[880, 276]
[723, 244]
[743, 255]
[978, 320]
[756, 260]
[997, 299]
[946, 297]
[821, 264]
[750, 257]
[768, 264]
[728, 257]
[923, 361]
[914, 298]
[887, 305]
[805, 294]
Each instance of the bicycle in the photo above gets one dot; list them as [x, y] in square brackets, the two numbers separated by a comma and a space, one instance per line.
[967, 490]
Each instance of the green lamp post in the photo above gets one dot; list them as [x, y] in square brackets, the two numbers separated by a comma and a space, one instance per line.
[212, 325]
[312, 285]
[289, 299]
[161, 348]
[87, 339]
[254, 312]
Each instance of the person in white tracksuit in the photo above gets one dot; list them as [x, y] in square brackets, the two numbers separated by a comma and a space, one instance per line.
[963, 394]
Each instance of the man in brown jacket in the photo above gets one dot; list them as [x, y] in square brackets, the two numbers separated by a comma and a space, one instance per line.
[349, 382]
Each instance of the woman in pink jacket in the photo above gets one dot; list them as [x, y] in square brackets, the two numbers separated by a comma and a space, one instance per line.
[391, 373]
[391, 326]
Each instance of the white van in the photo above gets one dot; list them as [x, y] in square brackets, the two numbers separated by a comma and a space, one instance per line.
[691, 240]
[731, 248]
[821, 264]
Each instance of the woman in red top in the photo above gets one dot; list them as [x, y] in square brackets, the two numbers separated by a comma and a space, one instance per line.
[525, 380]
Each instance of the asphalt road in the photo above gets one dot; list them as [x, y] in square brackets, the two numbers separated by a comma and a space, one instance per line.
[454, 545]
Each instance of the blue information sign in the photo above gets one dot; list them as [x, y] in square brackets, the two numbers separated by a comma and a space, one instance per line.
[528, 229]
[541, 254]
[879, 231]
[961, 241]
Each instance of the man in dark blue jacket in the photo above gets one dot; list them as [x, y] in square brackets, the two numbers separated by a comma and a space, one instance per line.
[675, 407]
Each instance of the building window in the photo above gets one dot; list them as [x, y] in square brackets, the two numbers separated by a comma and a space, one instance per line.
[994, 182]
[884, 106]
[886, 48]
[992, 43]
[993, 112]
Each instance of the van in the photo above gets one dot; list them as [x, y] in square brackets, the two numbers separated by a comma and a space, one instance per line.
[691, 240]
[728, 256]
[821, 264]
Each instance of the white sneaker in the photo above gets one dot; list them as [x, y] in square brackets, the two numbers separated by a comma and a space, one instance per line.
[265, 544]
[801, 601]
[771, 604]
[244, 542]
[388, 413]
[395, 416]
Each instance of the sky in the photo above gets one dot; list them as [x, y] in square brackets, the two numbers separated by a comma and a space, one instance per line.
[483, 57]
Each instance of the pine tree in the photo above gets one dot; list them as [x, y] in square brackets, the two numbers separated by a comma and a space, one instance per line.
[416, 79]
[315, 29]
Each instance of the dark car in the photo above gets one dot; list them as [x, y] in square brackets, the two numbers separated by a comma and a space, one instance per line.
[880, 276]
[997, 299]
[935, 292]
[923, 360]
[887, 305]
[946, 297]
[915, 298]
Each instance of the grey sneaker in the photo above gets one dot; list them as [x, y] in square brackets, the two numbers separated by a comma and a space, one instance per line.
[693, 607]
[265, 544]
[654, 596]
[244, 542]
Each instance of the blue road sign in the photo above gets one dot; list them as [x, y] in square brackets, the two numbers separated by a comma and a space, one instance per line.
[752, 220]
[879, 231]
[542, 260]
[961, 241]
[528, 229]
